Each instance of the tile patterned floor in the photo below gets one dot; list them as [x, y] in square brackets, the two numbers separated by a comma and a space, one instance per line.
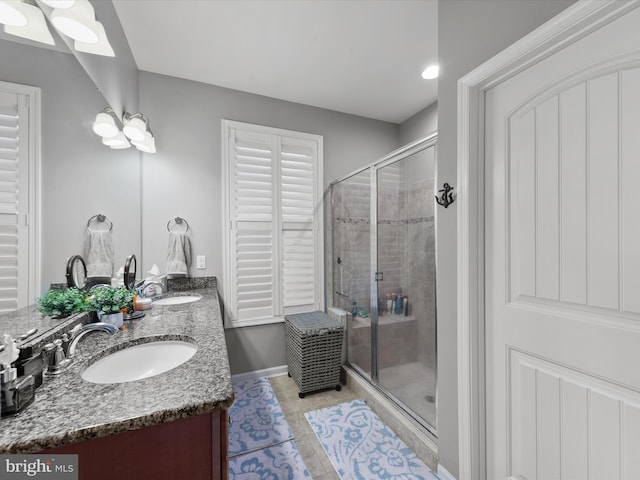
[293, 407]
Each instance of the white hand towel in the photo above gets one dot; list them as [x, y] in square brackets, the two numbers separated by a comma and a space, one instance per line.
[178, 254]
[98, 253]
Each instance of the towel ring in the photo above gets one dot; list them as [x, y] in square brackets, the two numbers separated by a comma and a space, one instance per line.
[100, 218]
[178, 221]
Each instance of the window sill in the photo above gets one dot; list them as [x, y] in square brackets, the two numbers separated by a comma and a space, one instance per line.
[253, 323]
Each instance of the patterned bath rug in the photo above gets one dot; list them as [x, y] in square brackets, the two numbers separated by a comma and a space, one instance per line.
[280, 462]
[361, 447]
[257, 420]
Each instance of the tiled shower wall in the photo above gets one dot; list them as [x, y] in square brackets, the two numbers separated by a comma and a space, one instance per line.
[351, 242]
[421, 252]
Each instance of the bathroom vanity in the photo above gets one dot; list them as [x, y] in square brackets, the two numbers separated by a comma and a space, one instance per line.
[172, 425]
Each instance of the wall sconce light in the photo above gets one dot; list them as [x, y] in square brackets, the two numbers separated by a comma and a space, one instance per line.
[147, 145]
[135, 126]
[74, 18]
[116, 134]
[116, 141]
[26, 21]
[77, 21]
[106, 123]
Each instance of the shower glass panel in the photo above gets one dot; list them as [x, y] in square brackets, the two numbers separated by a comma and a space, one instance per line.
[406, 361]
[383, 270]
[351, 211]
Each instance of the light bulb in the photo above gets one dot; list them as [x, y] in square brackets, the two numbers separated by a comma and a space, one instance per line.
[431, 72]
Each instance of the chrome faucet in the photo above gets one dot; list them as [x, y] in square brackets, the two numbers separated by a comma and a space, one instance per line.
[76, 335]
[141, 287]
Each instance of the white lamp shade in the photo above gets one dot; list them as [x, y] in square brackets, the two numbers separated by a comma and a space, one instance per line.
[35, 29]
[105, 125]
[117, 141]
[77, 22]
[148, 145]
[135, 129]
[101, 47]
[59, 3]
[12, 14]
[120, 147]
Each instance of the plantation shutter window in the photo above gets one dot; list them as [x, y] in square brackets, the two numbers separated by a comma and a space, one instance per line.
[14, 201]
[273, 247]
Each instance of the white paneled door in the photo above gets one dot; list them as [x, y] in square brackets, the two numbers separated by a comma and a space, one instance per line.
[562, 271]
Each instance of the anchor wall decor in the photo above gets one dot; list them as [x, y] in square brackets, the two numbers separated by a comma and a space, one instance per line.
[447, 197]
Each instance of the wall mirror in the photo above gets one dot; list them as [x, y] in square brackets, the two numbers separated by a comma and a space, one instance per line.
[78, 176]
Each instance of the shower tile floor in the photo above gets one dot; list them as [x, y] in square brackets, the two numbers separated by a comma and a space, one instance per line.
[414, 385]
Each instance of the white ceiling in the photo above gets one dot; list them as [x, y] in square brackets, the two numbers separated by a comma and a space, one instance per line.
[362, 57]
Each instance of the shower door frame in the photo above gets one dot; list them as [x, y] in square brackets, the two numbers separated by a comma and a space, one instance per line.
[393, 157]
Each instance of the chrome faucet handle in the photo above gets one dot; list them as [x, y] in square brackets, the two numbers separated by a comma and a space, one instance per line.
[56, 359]
[142, 286]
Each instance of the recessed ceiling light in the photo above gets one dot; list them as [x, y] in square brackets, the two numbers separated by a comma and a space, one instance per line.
[431, 72]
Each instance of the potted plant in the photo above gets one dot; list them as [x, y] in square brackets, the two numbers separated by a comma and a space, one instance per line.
[62, 303]
[110, 303]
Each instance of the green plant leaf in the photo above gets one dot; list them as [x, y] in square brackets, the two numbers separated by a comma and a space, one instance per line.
[62, 303]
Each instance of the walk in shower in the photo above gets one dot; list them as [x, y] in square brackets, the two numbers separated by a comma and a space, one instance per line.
[383, 272]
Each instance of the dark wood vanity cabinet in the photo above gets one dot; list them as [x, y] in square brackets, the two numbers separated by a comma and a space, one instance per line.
[192, 448]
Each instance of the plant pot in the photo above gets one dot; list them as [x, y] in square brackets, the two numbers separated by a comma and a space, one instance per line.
[114, 319]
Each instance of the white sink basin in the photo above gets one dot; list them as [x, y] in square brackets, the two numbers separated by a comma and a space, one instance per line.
[140, 361]
[178, 300]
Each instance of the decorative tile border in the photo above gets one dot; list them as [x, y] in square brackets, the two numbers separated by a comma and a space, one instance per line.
[353, 221]
[365, 221]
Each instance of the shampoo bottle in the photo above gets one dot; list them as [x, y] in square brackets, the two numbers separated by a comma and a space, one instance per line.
[398, 306]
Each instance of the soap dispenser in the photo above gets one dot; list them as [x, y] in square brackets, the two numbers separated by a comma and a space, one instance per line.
[16, 393]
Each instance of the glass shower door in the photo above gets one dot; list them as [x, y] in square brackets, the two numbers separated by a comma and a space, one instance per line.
[351, 211]
[406, 321]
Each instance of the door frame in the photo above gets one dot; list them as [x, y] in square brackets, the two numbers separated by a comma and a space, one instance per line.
[570, 25]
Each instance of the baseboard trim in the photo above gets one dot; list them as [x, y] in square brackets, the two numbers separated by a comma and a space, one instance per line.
[266, 372]
[444, 474]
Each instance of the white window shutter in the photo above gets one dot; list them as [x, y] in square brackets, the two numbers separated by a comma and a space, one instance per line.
[10, 229]
[273, 249]
[252, 217]
[298, 173]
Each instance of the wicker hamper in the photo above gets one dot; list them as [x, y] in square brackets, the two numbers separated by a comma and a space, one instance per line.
[314, 351]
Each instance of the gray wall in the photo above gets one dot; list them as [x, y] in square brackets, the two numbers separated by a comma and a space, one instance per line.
[420, 125]
[116, 77]
[469, 33]
[184, 177]
[80, 176]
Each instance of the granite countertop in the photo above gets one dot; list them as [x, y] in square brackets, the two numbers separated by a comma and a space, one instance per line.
[68, 409]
